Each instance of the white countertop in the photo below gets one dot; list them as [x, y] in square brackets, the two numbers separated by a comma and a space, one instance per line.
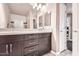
[23, 31]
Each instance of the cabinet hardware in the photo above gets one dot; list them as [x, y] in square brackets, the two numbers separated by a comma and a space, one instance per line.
[7, 49]
[10, 48]
[33, 43]
[31, 50]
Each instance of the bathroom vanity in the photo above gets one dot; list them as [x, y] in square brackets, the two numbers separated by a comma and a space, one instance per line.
[28, 31]
[21, 43]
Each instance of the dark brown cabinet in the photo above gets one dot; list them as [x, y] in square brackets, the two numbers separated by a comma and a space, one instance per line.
[25, 45]
[15, 45]
[4, 49]
[31, 42]
[29, 50]
[11, 45]
[16, 48]
[4, 46]
[44, 45]
[37, 44]
[31, 45]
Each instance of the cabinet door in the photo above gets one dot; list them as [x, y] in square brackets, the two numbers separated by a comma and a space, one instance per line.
[44, 45]
[4, 49]
[4, 46]
[16, 48]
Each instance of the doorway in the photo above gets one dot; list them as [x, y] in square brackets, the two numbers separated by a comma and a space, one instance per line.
[65, 28]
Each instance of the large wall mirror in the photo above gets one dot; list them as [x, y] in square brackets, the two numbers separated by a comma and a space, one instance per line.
[41, 21]
[47, 19]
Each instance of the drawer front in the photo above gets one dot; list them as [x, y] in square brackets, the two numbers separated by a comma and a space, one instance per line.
[30, 42]
[44, 35]
[34, 36]
[35, 53]
[15, 37]
[31, 36]
[30, 50]
[44, 45]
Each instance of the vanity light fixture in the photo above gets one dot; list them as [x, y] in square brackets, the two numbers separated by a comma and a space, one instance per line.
[34, 5]
[38, 6]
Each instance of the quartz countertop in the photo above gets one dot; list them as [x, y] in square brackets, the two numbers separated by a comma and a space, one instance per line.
[23, 31]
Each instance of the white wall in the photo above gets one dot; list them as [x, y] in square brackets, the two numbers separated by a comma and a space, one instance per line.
[62, 28]
[75, 29]
[3, 15]
[52, 7]
[53, 26]
[57, 15]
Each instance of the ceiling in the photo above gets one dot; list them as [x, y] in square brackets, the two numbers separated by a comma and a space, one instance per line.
[19, 8]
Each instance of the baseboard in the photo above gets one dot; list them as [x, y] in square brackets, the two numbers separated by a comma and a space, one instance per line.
[60, 52]
[57, 53]
[53, 52]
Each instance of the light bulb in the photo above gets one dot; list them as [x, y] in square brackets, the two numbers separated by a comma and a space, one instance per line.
[35, 5]
[43, 7]
[38, 8]
[48, 12]
[39, 5]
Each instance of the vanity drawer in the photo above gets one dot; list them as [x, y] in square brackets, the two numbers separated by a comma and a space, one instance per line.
[35, 53]
[44, 35]
[31, 36]
[30, 42]
[30, 49]
[15, 37]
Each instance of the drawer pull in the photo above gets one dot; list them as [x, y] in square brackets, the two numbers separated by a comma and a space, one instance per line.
[10, 48]
[31, 50]
[33, 43]
[6, 48]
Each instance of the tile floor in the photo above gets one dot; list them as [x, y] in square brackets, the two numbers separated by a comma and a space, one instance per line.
[49, 54]
[64, 53]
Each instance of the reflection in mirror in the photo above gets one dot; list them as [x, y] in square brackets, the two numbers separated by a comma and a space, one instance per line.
[34, 24]
[41, 21]
[47, 19]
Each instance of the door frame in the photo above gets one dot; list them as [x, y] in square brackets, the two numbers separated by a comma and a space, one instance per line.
[74, 29]
[61, 44]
